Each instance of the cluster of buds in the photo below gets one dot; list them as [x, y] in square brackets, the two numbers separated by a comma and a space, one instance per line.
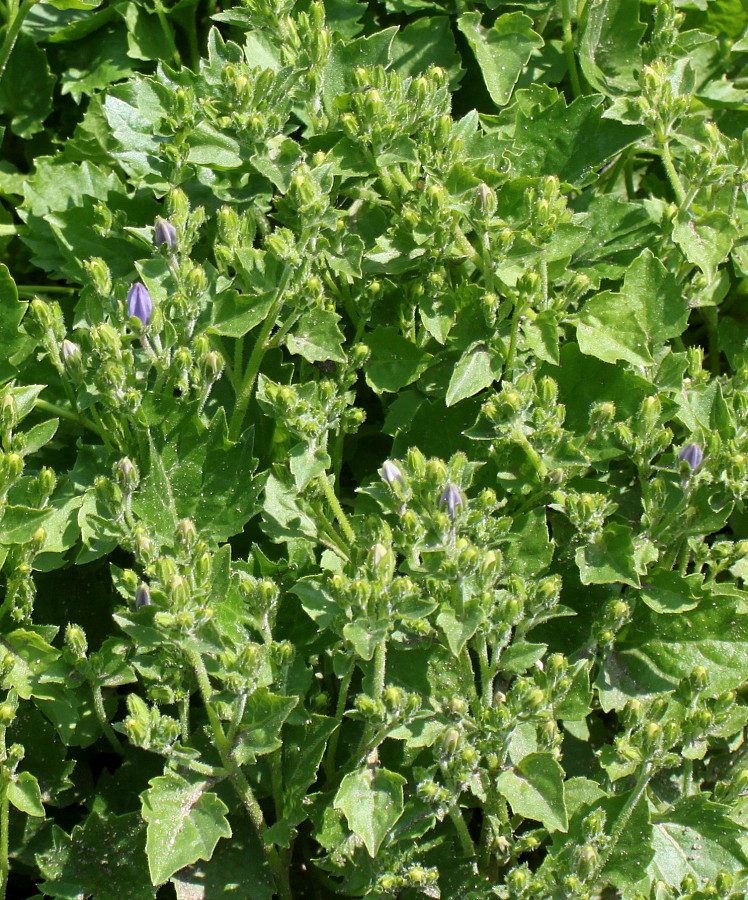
[547, 207]
[423, 879]
[147, 728]
[385, 107]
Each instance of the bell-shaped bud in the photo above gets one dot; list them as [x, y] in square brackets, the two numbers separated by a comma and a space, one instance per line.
[186, 533]
[126, 474]
[164, 233]
[391, 473]
[142, 596]
[139, 303]
[71, 356]
[452, 497]
[693, 455]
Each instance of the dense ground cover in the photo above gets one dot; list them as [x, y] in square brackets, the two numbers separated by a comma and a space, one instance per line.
[374, 449]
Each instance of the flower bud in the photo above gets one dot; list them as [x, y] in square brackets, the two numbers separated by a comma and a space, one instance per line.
[391, 473]
[178, 589]
[186, 533]
[142, 596]
[38, 539]
[100, 275]
[212, 364]
[75, 638]
[602, 414]
[195, 281]
[452, 497]
[71, 356]
[8, 412]
[164, 234]
[139, 303]
[692, 454]
[126, 474]
[485, 199]
[449, 742]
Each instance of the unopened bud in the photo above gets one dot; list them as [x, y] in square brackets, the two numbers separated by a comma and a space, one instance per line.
[165, 234]
[142, 596]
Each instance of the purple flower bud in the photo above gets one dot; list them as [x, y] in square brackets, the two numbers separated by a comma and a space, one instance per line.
[693, 455]
[142, 596]
[452, 496]
[391, 473]
[139, 303]
[165, 233]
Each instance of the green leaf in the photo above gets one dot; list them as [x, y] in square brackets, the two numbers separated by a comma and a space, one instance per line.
[277, 161]
[706, 240]
[306, 463]
[459, 628]
[259, 732]
[660, 650]
[394, 361]
[520, 655]
[103, 858]
[535, 790]
[14, 344]
[649, 310]
[476, 369]
[197, 473]
[424, 42]
[317, 337]
[668, 592]
[696, 822]
[373, 50]
[365, 635]
[371, 799]
[303, 749]
[609, 51]
[185, 822]
[502, 51]
[571, 142]
[530, 549]
[26, 87]
[24, 794]
[235, 314]
[610, 559]
[18, 523]
[282, 518]
[39, 436]
[238, 869]
[99, 60]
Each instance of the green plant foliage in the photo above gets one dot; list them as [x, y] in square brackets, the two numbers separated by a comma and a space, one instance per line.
[374, 450]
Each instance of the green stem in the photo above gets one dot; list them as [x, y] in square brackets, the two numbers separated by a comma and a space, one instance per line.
[241, 785]
[544, 280]
[380, 667]
[13, 28]
[43, 289]
[161, 13]
[674, 178]
[571, 60]
[101, 716]
[466, 842]
[519, 308]
[244, 394]
[332, 744]
[4, 804]
[687, 777]
[4, 822]
[71, 416]
[337, 509]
